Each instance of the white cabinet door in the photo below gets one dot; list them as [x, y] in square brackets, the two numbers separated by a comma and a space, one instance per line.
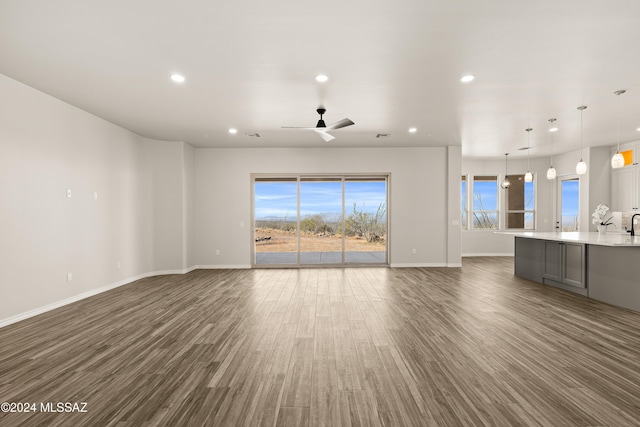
[636, 204]
[624, 189]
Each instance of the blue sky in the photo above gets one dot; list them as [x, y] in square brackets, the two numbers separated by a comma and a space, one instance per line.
[279, 199]
[570, 197]
[488, 191]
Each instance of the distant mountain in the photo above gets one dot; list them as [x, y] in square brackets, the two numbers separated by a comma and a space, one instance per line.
[328, 217]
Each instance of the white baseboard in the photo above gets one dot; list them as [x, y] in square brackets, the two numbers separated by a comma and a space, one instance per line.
[223, 267]
[454, 264]
[70, 300]
[167, 272]
[487, 254]
[36, 311]
[417, 265]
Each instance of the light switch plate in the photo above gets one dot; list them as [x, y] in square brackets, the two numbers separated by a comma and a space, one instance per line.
[68, 193]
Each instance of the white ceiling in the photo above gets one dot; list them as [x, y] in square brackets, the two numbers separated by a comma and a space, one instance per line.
[251, 64]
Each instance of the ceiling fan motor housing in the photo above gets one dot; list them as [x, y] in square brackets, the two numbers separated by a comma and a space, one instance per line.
[321, 123]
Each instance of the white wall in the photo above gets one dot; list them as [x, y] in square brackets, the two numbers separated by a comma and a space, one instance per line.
[47, 147]
[418, 197]
[167, 215]
[599, 181]
[189, 206]
[454, 237]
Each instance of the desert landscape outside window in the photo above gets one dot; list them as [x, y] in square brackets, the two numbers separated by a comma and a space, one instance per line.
[325, 220]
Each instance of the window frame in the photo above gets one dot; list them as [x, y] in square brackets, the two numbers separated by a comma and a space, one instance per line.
[533, 211]
[302, 177]
[472, 211]
[464, 210]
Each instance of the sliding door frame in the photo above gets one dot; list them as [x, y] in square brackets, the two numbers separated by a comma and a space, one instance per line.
[301, 177]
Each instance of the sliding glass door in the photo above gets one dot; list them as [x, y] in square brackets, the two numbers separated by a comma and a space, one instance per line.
[320, 221]
[275, 236]
[325, 220]
[365, 220]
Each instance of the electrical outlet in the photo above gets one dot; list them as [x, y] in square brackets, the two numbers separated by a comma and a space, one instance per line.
[413, 251]
[118, 264]
[217, 251]
[95, 195]
[69, 277]
[68, 193]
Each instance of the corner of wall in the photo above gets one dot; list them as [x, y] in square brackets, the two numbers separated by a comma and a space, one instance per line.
[454, 230]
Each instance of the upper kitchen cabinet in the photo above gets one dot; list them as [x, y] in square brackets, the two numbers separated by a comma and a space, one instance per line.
[625, 182]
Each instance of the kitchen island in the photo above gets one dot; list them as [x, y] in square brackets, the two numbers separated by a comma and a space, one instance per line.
[603, 267]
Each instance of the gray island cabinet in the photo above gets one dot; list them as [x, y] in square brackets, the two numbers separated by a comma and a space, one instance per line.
[605, 268]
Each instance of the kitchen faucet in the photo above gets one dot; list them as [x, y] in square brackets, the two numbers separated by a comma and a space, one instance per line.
[633, 233]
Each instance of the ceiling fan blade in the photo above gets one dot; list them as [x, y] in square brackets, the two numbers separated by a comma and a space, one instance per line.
[324, 135]
[295, 127]
[340, 124]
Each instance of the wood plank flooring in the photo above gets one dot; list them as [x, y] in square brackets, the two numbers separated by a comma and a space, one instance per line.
[360, 347]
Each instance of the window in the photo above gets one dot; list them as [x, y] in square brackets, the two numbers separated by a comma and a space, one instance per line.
[485, 202]
[320, 220]
[463, 207]
[569, 194]
[520, 203]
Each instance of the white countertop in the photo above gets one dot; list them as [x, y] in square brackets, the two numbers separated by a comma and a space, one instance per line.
[608, 239]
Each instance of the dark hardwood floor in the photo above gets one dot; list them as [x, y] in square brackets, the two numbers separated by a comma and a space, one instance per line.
[365, 346]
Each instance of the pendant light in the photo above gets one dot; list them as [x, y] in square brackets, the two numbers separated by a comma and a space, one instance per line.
[617, 161]
[581, 167]
[528, 177]
[551, 172]
[505, 182]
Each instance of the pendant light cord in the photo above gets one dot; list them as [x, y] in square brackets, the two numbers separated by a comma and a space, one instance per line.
[618, 93]
[618, 137]
[581, 134]
[528, 147]
[581, 108]
[551, 159]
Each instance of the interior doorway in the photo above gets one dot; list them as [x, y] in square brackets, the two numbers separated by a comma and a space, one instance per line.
[568, 213]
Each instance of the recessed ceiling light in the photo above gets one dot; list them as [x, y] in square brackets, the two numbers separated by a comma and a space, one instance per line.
[321, 78]
[233, 131]
[638, 129]
[178, 78]
[553, 129]
[468, 78]
[413, 130]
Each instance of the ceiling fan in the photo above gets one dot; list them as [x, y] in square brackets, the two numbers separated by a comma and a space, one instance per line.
[322, 129]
